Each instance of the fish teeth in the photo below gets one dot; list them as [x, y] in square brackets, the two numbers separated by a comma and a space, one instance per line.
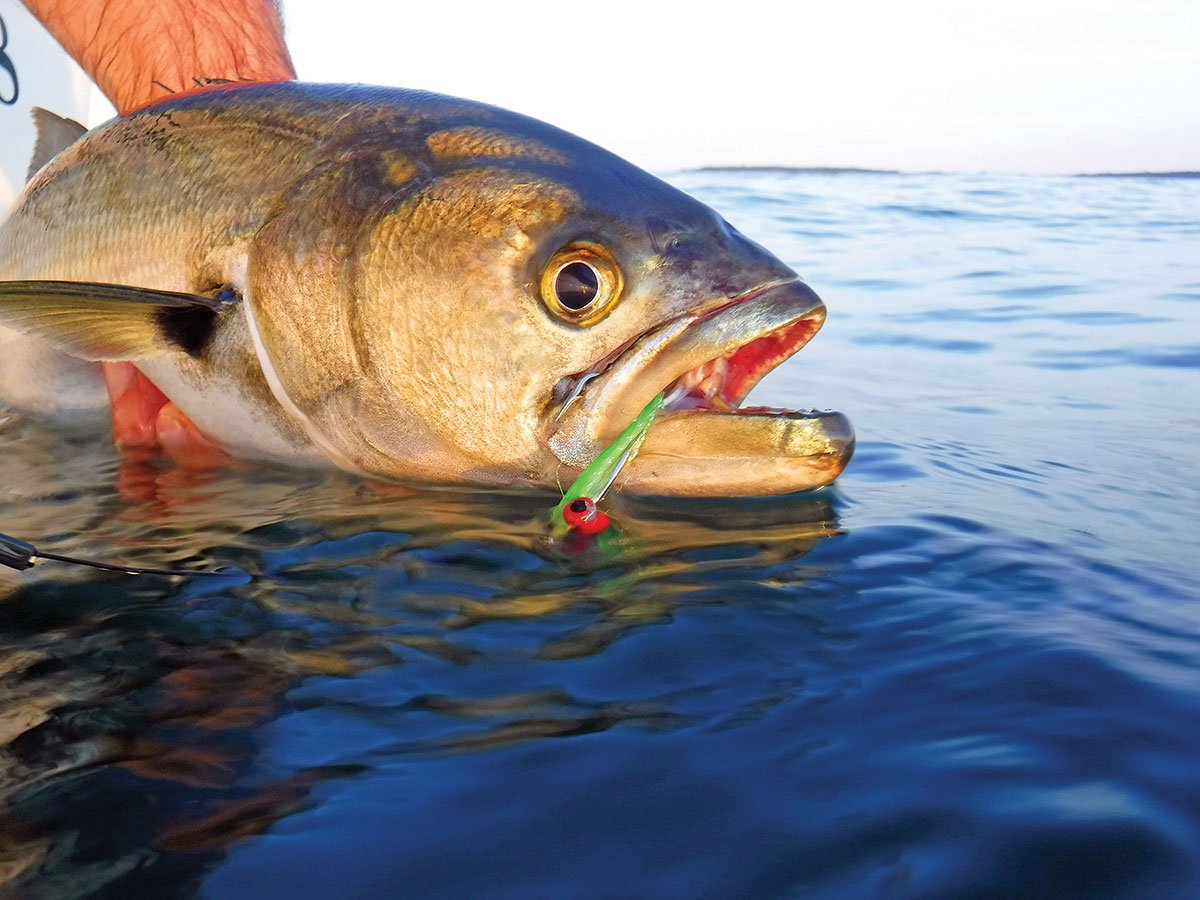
[700, 386]
[674, 396]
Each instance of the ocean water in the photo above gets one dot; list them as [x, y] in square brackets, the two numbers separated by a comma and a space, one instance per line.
[969, 670]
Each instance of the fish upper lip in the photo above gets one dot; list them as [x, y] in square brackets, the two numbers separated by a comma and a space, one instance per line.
[620, 384]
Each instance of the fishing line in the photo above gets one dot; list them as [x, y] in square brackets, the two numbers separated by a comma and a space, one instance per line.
[21, 555]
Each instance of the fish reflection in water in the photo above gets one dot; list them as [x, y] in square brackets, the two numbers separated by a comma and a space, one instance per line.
[133, 710]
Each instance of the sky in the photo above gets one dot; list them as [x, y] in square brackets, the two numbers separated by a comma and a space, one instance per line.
[1046, 86]
[1041, 86]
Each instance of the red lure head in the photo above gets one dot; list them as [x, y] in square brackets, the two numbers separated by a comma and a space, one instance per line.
[582, 517]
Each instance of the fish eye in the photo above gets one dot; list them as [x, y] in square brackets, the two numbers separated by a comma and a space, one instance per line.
[576, 285]
[581, 283]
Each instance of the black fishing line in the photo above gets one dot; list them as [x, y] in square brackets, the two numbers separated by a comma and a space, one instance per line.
[20, 555]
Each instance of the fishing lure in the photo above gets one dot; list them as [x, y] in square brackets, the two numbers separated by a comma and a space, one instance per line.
[582, 517]
[594, 481]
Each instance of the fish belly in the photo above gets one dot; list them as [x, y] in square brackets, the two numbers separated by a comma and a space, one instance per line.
[35, 377]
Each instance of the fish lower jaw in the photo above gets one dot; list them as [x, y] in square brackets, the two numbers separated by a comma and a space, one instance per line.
[704, 443]
[751, 451]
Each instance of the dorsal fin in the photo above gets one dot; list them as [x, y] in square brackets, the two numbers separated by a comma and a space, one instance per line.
[54, 135]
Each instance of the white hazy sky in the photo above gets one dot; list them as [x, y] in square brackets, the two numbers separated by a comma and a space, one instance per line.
[1012, 86]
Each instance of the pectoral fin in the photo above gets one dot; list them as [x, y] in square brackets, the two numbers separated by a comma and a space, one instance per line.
[109, 322]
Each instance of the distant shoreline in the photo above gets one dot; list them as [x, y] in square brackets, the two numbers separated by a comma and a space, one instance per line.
[1138, 175]
[852, 170]
[806, 170]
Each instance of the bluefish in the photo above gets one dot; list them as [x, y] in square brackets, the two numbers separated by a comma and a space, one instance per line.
[407, 285]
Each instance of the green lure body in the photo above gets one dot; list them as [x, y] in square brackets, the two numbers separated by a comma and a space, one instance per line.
[602, 471]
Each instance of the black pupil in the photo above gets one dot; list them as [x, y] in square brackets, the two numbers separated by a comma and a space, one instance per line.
[576, 285]
[579, 506]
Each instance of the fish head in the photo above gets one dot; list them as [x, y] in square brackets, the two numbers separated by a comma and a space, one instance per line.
[505, 298]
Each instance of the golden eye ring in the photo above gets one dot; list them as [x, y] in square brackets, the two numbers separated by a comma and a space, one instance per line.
[581, 283]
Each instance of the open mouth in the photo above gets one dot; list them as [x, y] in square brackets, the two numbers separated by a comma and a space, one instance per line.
[707, 362]
[724, 381]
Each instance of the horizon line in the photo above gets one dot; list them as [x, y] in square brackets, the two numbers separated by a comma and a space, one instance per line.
[860, 170]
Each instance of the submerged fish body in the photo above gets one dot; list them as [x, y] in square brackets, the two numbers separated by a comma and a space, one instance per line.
[409, 285]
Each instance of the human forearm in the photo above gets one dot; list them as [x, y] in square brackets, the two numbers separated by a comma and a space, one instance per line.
[140, 52]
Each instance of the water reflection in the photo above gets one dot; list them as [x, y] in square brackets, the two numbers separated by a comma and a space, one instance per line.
[132, 710]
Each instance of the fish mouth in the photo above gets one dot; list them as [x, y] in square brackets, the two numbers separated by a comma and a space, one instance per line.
[703, 443]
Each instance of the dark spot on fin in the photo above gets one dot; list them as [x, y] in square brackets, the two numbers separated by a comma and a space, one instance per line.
[54, 135]
[110, 322]
[188, 327]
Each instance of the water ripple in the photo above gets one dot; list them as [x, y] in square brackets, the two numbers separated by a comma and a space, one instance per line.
[1177, 357]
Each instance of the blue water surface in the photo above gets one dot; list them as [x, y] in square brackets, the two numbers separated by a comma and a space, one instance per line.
[969, 670]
